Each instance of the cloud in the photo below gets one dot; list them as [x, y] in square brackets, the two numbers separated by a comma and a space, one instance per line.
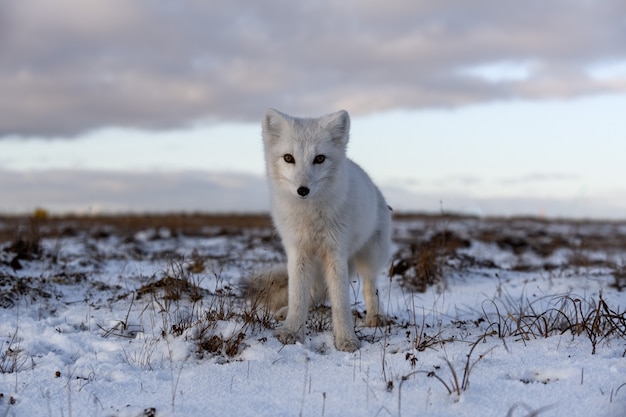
[94, 191]
[536, 178]
[69, 67]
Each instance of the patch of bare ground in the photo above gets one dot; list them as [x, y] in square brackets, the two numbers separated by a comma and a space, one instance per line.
[433, 246]
[189, 224]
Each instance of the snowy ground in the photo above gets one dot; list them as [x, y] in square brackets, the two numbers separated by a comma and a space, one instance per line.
[515, 318]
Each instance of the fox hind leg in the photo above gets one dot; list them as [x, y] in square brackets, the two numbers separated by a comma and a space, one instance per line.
[369, 262]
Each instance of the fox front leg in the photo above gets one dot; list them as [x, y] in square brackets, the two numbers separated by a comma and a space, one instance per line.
[338, 283]
[300, 270]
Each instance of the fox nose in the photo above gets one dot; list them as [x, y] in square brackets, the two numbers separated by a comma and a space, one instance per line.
[303, 191]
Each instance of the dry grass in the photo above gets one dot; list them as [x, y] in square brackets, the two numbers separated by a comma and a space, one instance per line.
[421, 263]
[12, 358]
[458, 382]
[186, 309]
[592, 318]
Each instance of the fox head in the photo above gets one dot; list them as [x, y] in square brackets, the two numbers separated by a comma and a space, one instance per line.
[305, 155]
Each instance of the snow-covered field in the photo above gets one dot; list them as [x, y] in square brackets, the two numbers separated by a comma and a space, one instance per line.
[514, 318]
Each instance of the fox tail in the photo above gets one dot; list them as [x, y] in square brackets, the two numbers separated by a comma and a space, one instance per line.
[268, 289]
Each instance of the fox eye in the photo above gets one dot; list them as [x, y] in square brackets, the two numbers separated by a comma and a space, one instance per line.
[319, 159]
[289, 158]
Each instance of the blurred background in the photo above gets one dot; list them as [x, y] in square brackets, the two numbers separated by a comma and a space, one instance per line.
[466, 106]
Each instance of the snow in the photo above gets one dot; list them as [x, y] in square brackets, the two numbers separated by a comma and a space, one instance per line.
[91, 330]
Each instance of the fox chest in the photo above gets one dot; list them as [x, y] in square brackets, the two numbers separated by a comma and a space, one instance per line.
[314, 233]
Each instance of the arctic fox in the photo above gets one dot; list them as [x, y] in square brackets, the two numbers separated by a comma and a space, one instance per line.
[333, 221]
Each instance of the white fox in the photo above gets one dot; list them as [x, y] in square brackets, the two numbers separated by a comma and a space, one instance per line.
[332, 219]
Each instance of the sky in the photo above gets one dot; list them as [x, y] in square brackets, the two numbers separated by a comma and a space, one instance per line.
[472, 106]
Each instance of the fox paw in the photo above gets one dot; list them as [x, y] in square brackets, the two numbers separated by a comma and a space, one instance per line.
[349, 344]
[281, 314]
[286, 336]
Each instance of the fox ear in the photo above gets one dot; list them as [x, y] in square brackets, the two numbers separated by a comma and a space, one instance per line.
[273, 124]
[338, 124]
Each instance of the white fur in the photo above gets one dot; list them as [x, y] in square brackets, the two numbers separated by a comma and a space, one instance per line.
[342, 225]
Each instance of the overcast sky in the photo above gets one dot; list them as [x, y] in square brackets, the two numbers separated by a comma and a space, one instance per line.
[488, 107]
